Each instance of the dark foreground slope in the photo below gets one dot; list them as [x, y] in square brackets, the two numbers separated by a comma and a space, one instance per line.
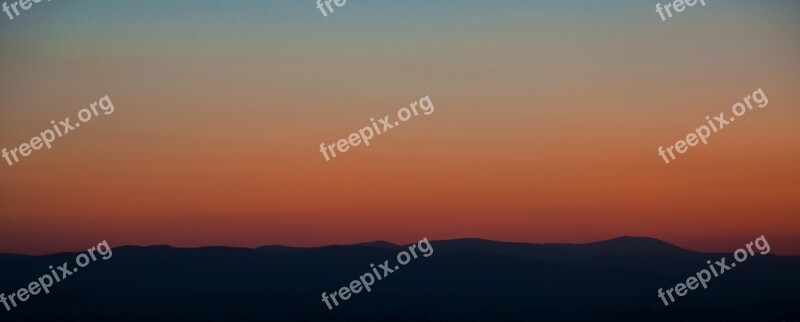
[463, 280]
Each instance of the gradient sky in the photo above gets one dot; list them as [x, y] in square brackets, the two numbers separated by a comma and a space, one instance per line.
[547, 123]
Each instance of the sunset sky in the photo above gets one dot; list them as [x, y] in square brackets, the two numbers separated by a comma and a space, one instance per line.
[547, 123]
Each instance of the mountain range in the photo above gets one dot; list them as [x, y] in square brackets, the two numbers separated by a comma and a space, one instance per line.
[462, 280]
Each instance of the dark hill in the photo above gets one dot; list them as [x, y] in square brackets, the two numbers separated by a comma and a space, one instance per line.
[463, 280]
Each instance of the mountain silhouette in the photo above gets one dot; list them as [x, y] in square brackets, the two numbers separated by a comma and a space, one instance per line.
[462, 280]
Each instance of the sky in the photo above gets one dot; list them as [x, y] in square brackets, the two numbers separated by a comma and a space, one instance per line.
[547, 122]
